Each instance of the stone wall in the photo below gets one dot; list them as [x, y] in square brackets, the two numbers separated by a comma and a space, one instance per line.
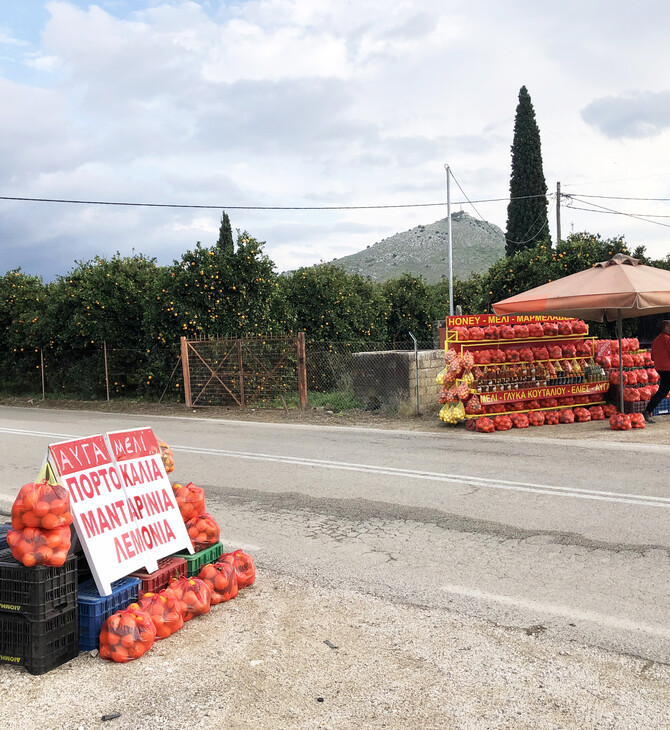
[389, 378]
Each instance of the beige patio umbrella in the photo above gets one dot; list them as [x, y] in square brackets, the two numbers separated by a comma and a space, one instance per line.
[609, 291]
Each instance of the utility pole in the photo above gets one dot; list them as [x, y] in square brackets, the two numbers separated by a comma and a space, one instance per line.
[558, 212]
[451, 265]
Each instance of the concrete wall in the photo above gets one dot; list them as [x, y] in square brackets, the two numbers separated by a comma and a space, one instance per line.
[389, 378]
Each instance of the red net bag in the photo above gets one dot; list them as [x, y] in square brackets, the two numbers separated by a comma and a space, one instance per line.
[579, 327]
[491, 332]
[536, 418]
[566, 416]
[549, 329]
[166, 456]
[222, 580]
[164, 611]
[194, 596]
[549, 402]
[555, 352]
[190, 500]
[621, 422]
[551, 418]
[474, 405]
[485, 425]
[244, 567]
[609, 410]
[204, 531]
[506, 332]
[520, 420]
[535, 329]
[564, 328]
[468, 360]
[127, 635]
[40, 504]
[476, 333]
[582, 415]
[502, 423]
[637, 420]
[597, 413]
[33, 546]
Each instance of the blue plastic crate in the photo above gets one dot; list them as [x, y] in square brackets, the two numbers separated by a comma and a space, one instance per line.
[4, 529]
[94, 608]
[662, 407]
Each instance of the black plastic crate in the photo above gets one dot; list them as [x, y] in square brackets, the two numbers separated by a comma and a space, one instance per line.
[4, 529]
[38, 645]
[83, 569]
[636, 406]
[38, 592]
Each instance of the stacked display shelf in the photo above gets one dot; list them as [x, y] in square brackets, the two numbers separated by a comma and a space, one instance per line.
[534, 391]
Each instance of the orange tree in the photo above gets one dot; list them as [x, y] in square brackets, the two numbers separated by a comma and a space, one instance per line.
[409, 309]
[329, 304]
[98, 301]
[22, 302]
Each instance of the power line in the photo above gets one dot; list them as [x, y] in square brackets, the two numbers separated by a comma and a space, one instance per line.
[251, 207]
[603, 209]
[622, 197]
[515, 243]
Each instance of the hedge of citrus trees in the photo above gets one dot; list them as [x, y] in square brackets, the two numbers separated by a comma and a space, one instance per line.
[140, 309]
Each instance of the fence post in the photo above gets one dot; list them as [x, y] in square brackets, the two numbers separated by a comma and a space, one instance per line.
[42, 369]
[104, 348]
[302, 371]
[187, 372]
[240, 366]
[416, 372]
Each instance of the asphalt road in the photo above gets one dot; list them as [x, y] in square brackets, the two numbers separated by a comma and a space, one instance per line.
[564, 537]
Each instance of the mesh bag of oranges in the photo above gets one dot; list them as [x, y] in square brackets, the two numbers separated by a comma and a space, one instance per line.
[33, 546]
[203, 531]
[43, 505]
[127, 635]
[194, 596]
[164, 610]
[190, 500]
[166, 456]
[222, 580]
[243, 565]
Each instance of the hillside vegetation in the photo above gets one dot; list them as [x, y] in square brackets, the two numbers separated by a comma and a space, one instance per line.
[423, 251]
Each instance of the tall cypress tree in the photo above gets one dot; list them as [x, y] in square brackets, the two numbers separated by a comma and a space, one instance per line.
[225, 242]
[527, 222]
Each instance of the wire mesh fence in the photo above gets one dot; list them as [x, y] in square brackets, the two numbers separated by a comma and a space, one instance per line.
[95, 373]
[255, 372]
[363, 374]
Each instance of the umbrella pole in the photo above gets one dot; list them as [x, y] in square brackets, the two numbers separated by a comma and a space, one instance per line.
[619, 330]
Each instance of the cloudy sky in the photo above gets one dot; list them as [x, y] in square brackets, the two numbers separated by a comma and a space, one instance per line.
[319, 103]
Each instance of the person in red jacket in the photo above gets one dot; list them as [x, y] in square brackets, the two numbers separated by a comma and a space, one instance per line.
[660, 353]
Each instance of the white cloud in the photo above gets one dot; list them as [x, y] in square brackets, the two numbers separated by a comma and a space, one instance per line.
[318, 102]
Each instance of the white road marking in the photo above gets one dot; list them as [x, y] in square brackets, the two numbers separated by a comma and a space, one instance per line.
[462, 479]
[574, 492]
[574, 614]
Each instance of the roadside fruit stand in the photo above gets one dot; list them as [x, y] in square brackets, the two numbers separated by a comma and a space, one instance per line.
[530, 370]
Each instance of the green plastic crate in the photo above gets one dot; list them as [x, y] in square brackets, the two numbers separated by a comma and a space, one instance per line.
[195, 562]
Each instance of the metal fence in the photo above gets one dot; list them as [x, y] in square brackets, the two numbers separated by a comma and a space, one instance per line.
[258, 372]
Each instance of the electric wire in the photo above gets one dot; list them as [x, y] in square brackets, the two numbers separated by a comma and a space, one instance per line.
[516, 244]
[604, 209]
[249, 207]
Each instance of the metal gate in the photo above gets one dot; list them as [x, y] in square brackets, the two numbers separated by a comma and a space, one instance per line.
[259, 371]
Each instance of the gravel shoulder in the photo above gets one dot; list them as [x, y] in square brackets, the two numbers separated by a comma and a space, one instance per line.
[261, 661]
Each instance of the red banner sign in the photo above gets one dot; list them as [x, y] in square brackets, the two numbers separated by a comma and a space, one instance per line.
[545, 391]
[483, 320]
